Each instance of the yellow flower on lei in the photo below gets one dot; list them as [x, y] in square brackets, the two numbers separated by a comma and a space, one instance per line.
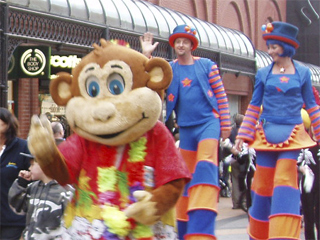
[142, 231]
[107, 179]
[116, 221]
[137, 152]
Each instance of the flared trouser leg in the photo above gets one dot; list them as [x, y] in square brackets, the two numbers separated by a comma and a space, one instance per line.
[197, 208]
[275, 211]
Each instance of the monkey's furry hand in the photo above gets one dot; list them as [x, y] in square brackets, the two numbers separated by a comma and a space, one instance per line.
[41, 142]
[143, 211]
[43, 147]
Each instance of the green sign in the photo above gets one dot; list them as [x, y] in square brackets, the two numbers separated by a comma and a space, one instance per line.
[30, 62]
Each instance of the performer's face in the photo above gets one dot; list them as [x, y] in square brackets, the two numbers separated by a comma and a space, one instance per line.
[275, 50]
[182, 46]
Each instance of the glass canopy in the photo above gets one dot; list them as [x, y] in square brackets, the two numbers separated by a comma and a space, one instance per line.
[141, 16]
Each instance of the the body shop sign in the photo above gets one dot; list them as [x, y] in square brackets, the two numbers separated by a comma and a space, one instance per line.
[32, 62]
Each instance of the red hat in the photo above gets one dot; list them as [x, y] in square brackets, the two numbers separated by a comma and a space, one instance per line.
[184, 31]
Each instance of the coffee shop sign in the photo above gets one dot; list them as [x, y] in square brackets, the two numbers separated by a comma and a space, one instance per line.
[64, 61]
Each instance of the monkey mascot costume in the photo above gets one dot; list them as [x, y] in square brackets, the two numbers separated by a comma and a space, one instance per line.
[122, 161]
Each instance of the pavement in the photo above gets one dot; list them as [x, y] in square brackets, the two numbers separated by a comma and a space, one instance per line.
[231, 223]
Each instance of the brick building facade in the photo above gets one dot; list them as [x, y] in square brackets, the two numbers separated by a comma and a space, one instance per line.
[246, 16]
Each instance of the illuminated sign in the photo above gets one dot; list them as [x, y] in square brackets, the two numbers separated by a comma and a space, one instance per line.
[64, 61]
[37, 62]
[33, 62]
[30, 62]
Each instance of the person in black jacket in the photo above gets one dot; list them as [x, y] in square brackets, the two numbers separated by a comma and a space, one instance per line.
[11, 225]
[236, 167]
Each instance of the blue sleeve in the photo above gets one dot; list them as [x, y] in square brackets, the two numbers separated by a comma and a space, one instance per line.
[307, 93]
[258, 91]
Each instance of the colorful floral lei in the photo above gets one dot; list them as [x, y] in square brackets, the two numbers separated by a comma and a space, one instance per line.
[116, 192]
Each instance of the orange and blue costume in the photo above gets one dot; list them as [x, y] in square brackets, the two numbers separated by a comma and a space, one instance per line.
[198, 97]
[277, 133]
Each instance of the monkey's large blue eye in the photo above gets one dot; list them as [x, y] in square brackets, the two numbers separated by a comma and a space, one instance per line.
[92, 86]
[115, 84]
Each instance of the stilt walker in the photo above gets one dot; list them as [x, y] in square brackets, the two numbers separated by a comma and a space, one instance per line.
[198, 98]
[273, 126]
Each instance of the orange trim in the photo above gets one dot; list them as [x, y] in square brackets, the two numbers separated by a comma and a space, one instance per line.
[287, 226]
[317, 122]
[249, 121]
[256, 108]
[317, 131]
[286, 173]
[225, 128]
[223, 100]
[207, 150]
[313, 117]
[247, 131]
[203, 197]
[223, 116]
[263, 181]
[298, 139]
[199, 237]
[215, 70]
[258, 229]
[217, 84]
[220, 91]
[222, 97]
[190, 157]
[181, 209]
[313, 109]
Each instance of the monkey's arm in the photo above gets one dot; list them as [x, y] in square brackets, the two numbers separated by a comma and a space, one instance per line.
[42, 146]
[151, 206]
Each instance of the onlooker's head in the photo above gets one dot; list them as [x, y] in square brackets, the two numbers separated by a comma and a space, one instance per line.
[238, 118]
[8, 125]
[35, 169]
[57, 129]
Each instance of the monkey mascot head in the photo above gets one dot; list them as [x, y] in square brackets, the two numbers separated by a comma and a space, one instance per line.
[114, 94]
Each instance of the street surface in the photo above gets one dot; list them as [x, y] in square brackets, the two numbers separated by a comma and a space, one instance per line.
[231, 223]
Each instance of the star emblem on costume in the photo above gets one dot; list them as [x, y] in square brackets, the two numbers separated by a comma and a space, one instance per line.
[284, 79]
[186, 82]
[170, 97]
[210, 93]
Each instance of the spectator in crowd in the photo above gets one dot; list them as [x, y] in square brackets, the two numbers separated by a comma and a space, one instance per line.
[236, 167]
[11, 224]
[58, 132]
[198, 97]
[42, 200]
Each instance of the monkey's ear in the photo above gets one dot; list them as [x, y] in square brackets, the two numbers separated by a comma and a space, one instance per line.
[60, 88]
[160, 74]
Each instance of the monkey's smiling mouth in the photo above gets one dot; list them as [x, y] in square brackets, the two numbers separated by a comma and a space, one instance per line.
[108, 136]
[113, 135]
